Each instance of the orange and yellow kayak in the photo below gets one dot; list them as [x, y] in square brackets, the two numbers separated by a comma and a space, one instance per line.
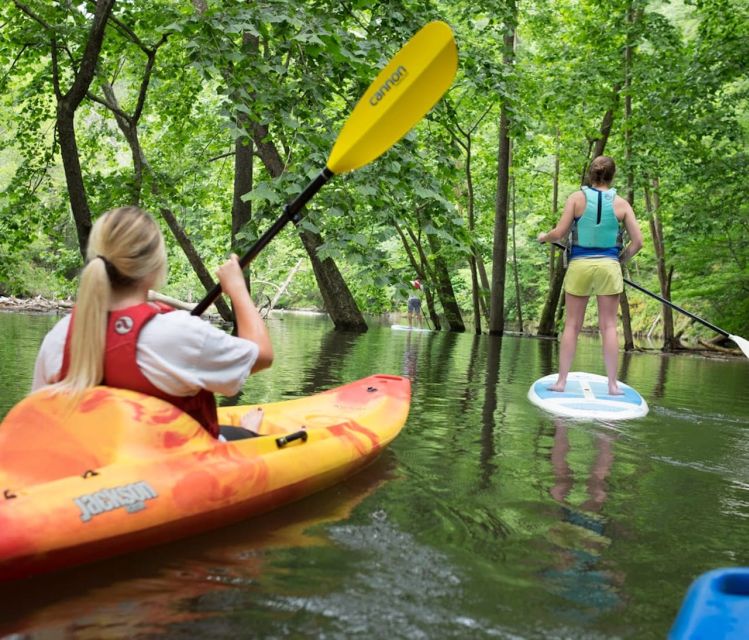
[122, 471]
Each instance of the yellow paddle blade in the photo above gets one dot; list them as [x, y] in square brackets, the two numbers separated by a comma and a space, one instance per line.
[401, 95]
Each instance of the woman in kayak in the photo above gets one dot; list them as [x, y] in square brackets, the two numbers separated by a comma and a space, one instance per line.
[116, 337]
[595, 216]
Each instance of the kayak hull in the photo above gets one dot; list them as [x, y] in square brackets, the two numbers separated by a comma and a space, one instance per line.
[716, 605]
[148, 474]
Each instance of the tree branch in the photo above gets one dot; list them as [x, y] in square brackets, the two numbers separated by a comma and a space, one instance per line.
[91, 54]
[13, 64]
[107, 104]
[33, 15]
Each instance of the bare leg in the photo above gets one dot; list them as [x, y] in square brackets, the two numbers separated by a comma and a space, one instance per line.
[607, 323]
[573, 322]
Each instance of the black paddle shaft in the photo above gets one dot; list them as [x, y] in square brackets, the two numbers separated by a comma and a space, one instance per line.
[709, 325]
[292, 212]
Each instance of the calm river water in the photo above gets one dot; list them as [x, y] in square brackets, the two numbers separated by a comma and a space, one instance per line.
[486, 518]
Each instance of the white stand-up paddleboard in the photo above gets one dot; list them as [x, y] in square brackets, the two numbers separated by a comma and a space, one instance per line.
[405, 327]
[586, 395]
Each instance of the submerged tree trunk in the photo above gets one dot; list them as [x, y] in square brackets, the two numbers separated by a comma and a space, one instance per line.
[652, 203]
[547, 322]
[445, 288]
[629, 341]
[464, 139]
[518, 301]
[339, 303]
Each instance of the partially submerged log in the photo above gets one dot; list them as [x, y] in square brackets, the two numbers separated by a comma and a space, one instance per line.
[713, 346]
[37, 304]
[155, 296]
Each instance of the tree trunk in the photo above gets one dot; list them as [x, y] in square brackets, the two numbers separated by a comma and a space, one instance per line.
[241, 211]
[67, 104]
[652, 204]
[471, 228]
[598, 145]
[499, 248]
[484, 298]
[547, 323]
[629, 343]
[73, 176]
[339, 303]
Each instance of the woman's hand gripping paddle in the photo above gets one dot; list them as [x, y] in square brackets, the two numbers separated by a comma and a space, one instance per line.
[401, 95]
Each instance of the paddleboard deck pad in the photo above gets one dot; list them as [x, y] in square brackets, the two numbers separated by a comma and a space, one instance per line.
[586, 396]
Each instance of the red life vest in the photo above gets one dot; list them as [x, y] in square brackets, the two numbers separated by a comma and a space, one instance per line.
[121, 369]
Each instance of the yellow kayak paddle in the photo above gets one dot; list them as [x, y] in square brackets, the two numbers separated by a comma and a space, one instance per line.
[402, 94]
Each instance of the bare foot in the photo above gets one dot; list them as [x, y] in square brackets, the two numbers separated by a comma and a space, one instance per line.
[557, 387]
[252, 420]
[615, 391]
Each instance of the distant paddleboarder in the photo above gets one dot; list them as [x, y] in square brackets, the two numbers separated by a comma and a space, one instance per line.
[414, 303]
[594, 218]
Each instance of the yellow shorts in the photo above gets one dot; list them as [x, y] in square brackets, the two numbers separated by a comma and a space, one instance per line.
[594, 277]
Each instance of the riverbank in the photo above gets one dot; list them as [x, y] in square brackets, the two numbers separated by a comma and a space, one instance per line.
[38, 304]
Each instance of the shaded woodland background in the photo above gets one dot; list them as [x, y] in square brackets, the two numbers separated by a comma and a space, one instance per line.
[214, 114]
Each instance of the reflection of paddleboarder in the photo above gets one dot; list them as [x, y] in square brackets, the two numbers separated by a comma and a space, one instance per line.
[414, 303]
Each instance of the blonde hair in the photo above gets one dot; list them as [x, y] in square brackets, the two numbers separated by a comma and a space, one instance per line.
[124, 248]
[602, 170]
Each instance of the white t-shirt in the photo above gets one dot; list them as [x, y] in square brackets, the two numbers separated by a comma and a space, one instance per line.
[177, 352]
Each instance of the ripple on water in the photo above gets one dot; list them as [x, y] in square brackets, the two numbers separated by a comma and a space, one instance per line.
[399, 588]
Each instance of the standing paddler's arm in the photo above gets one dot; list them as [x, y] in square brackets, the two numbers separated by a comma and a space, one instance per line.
[634, 233]
[575, 203]
[250, 325]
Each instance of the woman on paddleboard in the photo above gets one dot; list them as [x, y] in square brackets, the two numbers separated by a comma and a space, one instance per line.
[594, 218]
[116, 337]
[414, 304]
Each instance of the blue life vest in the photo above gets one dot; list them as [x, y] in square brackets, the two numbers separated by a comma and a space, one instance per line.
[596, 233]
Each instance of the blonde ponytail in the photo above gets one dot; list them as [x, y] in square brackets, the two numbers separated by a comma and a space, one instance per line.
[124, 248]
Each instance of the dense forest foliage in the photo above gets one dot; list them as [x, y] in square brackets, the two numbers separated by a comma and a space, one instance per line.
[213, 114]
